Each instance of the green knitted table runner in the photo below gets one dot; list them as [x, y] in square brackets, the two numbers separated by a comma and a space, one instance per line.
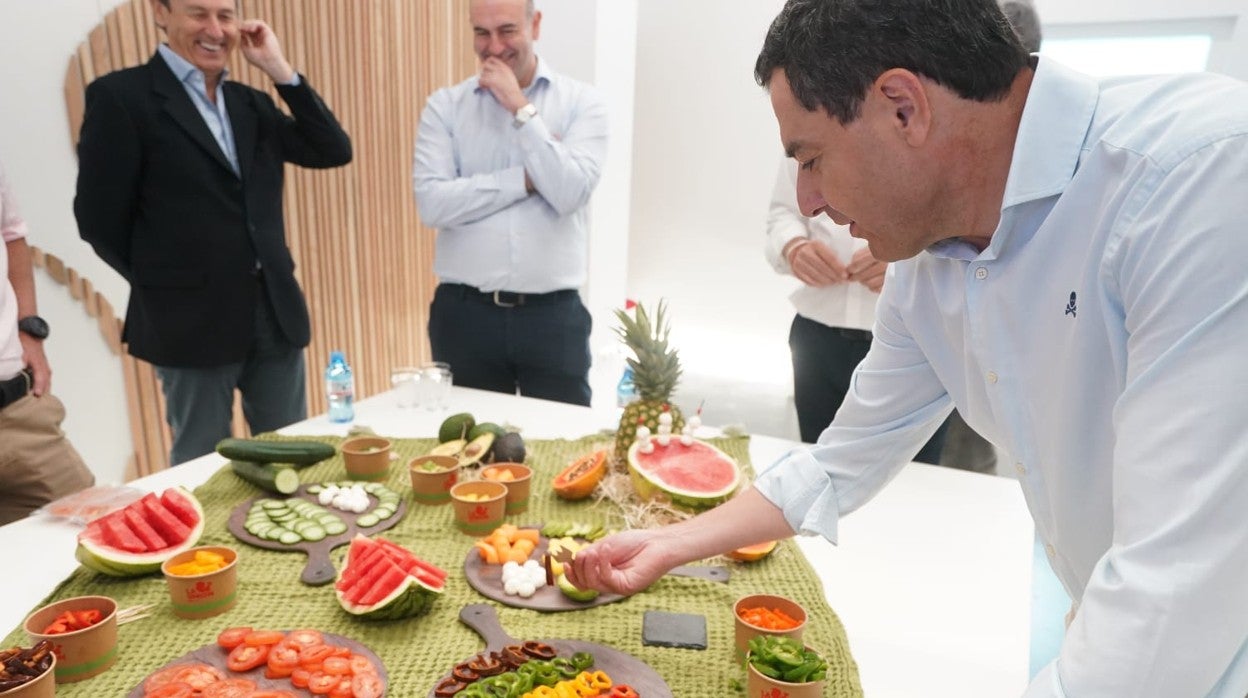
[417, 651]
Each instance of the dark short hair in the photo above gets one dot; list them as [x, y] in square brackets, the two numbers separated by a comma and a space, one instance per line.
[832, 50]
[1022, 16]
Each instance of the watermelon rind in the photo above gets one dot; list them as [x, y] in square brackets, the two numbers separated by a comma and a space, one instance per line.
[118, 563]
[648, 485]
[409, 598]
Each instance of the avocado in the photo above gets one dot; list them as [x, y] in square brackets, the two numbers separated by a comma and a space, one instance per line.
[574, 593]
[456, 426]
[476, 450]
[450, 448]
[486, 428]
[509, 448]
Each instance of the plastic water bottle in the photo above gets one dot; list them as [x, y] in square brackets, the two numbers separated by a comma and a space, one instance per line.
[339, 388]
[625, 390]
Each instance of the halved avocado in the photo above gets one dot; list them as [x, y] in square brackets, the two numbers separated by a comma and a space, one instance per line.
[476, 450]
[449, 448]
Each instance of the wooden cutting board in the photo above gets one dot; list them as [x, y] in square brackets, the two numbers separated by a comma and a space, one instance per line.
[320, 569]
[215, 655]
[621, 667]
[487, 579]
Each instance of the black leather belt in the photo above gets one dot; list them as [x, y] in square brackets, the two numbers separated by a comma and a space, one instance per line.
[508, 299]
[852, 333]
[16, 388]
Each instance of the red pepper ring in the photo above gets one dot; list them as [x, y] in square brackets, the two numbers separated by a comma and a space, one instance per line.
[513, 656]
[464, 674]
[539, 650]
[622, 690]
[448, 687]
[486, 666]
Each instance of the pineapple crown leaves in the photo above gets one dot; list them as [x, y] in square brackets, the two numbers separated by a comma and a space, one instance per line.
[656, 366]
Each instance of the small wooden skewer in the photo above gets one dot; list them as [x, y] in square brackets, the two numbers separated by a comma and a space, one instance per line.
[128, 615]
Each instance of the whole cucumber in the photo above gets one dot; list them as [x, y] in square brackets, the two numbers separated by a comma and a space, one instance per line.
[261, 451]
[273, 478]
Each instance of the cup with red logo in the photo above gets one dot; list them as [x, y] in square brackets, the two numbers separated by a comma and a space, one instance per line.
[479, 506]
[83, 633]
[203, 581]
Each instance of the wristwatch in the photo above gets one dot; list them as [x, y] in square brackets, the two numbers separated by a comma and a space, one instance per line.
[34, 326]
[523, 114]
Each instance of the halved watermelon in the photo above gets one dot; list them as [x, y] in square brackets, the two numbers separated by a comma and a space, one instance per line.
[137, 539]
[697, 476]
[385, 581]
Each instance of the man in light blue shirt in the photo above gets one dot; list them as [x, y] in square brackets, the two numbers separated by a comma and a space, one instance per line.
[1067, 274]
[505, 164]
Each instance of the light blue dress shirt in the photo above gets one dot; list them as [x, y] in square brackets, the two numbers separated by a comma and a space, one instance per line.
[216, 116]
[468, 176]
[1101, 340]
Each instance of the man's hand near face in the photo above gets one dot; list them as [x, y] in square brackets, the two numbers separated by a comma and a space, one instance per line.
[498, 78]
[867, 270]
[261, 48]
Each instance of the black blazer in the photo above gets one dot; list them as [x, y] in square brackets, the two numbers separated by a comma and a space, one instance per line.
[159, 202]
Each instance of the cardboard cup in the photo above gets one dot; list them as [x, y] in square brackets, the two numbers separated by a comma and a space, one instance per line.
[517, 486]
[432, 478]
[44, 685]
[367, 457]
[759, 685]
[745, 631]
[202, 595]
[479, 517]
[81, 653]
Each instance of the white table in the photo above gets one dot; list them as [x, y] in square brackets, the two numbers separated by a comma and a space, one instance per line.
[932, 579]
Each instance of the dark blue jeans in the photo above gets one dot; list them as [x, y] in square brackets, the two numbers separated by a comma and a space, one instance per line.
[824, 359]
[534, 344]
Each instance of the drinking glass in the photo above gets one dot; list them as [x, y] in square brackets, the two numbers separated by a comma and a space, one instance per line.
[406, 384]
[436, 380]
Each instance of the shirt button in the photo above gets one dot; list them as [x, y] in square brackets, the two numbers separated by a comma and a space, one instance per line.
[1048, 549]
[992, 376]
[981, 273]
[1018, 467]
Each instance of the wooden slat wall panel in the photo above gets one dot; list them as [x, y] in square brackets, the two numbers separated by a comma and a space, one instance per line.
[363, 259]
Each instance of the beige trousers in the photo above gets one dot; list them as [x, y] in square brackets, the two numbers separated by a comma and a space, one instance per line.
[37, 463]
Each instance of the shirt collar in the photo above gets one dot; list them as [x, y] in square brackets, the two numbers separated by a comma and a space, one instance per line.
[184, 70]
[1051, 134]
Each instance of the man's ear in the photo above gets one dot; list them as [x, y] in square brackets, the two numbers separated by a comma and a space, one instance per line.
[537, 24]
[160, 14]
[901, 98]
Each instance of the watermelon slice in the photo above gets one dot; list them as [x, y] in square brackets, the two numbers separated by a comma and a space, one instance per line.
[385, 581]
[137, 539]
[697, 476]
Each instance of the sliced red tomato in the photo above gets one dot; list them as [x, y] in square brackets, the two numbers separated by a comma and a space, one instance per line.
[283, 660]
[247, 657]
[367, 686]
[299, 678]
[310, 658]
[264, 637]
[344, 652]
[230, 688]
[343, 689]
[199, 676]
[163, 677]
[305, 637]
[320, 683]
[233, 637]
[362, 665]
[272, 694]
[336, 666]
[176, 689]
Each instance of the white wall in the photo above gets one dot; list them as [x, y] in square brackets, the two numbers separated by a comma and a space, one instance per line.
[36, 40]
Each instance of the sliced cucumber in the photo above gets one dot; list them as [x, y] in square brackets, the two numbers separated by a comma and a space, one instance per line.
[290, 538]
[313, 534]
[367, 521]
[335, 528]
[315, 489]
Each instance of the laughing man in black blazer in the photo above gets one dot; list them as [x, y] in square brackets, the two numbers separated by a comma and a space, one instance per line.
[180, 191]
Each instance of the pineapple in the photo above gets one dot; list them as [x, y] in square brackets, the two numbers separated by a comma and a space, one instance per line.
[656, 370]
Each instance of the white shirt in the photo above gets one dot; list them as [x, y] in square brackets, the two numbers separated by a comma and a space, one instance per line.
[469, 180]
[841, 305]
[12, 227]
[1102, 341]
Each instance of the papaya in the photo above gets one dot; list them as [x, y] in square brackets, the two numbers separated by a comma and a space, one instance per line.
[753, 553]
[578, 480]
